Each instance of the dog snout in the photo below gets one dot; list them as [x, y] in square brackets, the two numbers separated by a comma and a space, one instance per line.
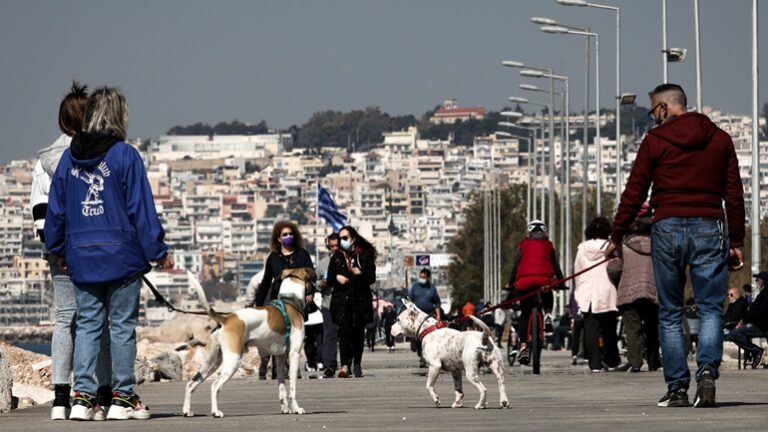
[397, 330]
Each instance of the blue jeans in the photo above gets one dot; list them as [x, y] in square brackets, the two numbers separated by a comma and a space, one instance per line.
[62, 343]
[742, 337]
[701, 246]
[121, 301]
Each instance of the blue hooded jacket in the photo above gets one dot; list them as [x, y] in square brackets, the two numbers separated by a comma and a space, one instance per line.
[101, 215]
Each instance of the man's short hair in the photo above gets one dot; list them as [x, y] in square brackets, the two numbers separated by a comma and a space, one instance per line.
[426, 271]
[670, 93]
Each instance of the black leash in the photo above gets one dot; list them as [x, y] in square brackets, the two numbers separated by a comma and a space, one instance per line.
[160, 299]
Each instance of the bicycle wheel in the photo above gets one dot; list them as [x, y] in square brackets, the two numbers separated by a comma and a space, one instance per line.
[535, 340]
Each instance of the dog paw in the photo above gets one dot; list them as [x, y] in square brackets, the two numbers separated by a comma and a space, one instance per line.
[437, 402]
[457, 404]
[504, 404]
[188, 414]
[298, 410]
[217, 414]
[479, 406]
[285, 409]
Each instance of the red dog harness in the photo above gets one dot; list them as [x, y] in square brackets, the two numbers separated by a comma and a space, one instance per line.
[438, 325]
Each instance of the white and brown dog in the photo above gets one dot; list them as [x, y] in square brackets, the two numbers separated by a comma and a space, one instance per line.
[447, 349]
[263, 327]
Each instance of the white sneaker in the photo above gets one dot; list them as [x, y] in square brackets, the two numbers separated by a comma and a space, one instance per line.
[86, 408]
[59, 413]
[126, 407]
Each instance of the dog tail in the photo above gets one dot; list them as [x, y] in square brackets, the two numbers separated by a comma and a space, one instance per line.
[487, 335]
[217, 316]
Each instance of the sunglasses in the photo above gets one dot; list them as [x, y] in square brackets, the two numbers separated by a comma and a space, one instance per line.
[651, 113]
[343, 237]
[286, 234]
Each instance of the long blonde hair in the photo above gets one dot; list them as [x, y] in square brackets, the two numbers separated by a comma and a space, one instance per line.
[107, 112]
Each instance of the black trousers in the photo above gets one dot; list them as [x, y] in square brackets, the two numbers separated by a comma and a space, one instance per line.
[577, 343]
[351, 340]
[388, 338]
[596, 325]
[313, 343]
[641, 326]
[526, 307]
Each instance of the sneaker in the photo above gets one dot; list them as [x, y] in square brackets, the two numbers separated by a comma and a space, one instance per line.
[61, 402]
[757, 358]
[329, 372]
[344, 372]
[705, 391]
[549, 328]
[320, 367]
[675, 398]
[126, 407]
[622, 368]
[574, 360]
[86, 408]
[358, 371]
[309, 368]
[523, 357]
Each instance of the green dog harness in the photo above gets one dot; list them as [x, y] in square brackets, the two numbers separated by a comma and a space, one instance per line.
[280, 306]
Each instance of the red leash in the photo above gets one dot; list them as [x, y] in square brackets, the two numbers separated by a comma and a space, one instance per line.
[544, 288]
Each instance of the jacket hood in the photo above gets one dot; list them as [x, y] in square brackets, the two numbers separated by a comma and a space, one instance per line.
[89, 148]
[594, 249]
[49, 156]
[639, 244]
[690, 131]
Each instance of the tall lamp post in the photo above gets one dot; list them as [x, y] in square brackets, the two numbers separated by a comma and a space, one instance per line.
[564, 30]
[551, 165]
[755, 150]
[617, 97]
[564, 79]
[528, 140]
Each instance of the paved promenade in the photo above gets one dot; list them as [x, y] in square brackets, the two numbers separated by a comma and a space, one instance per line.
[392, 397]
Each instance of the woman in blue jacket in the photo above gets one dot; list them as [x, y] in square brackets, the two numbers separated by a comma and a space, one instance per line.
[101, 222]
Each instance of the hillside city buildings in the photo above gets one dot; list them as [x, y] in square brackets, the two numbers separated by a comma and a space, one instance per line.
[218, 197]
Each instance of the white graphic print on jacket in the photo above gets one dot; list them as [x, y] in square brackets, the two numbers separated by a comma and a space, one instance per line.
[92, 204]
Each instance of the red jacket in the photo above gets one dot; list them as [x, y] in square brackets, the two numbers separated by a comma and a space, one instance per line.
[537, 264]
[692, 166]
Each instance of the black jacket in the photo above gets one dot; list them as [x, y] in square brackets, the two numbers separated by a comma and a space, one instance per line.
[276, 263]
[735, 313]
[757, 313]
[355, 297]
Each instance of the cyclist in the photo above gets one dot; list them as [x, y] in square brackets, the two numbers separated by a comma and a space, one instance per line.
[535, 266]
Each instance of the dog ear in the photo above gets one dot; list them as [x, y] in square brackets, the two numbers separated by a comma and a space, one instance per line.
[407, 303]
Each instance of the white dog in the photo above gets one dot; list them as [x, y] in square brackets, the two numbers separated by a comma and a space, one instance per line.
[447, 349]
[261, 326]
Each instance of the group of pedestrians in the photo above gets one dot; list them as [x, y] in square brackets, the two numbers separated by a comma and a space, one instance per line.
[341, 309]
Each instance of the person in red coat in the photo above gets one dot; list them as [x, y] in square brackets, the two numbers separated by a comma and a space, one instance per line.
[536, 265]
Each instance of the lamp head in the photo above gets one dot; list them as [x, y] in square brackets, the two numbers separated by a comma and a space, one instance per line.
[531, 73]
[512, 63]
[543, 21]
[572, 2]
[517, 99]
[529, 87]
[554, 29]
[511, 114]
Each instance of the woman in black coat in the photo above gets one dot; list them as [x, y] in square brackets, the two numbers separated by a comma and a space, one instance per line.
[352, 271]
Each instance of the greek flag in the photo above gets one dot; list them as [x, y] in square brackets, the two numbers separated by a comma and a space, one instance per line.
[327, 209]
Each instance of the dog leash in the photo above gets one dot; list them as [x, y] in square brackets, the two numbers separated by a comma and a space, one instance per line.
[543, 288]
[160, 299]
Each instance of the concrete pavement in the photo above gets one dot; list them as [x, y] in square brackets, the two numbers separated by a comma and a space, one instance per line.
[392, 397]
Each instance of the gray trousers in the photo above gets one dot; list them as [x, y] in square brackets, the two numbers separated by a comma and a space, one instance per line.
[330, 342]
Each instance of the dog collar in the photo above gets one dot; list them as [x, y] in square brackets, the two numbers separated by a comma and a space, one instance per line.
[436, 326]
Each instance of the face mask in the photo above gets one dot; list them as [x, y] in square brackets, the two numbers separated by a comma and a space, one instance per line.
[346, 244]
[423, 281]
[287, 241]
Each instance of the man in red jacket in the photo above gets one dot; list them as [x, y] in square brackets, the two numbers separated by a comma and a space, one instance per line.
[692, 166]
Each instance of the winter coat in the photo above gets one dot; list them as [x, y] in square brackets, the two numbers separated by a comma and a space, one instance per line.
[269, 287]
[692, 166]
[48, 160]
[594, 291]
[354, 299]
[101, 214]
[536, 266]
[634, 271]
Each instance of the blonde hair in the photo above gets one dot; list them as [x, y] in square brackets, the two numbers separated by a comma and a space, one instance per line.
[107, 112]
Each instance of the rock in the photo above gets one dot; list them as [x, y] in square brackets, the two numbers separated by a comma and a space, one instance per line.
[166, 365]
[6, 383]
[142, 370]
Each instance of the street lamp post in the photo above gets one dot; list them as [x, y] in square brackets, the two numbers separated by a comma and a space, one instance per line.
[755, 151]
[551, 165]
[564, 30]
[619, 146]
[564, 79]
[698, 54]
[664, 41]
